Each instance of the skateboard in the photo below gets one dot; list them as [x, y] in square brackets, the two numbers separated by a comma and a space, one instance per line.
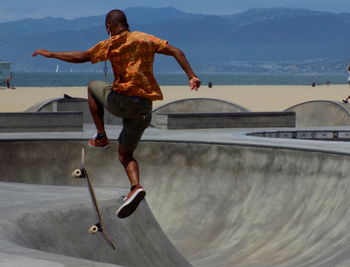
[99, 226]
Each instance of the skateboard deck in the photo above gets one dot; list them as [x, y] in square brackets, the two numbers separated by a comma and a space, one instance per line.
[99, 226]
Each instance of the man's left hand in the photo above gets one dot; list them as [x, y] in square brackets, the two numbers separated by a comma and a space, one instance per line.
[195, 83]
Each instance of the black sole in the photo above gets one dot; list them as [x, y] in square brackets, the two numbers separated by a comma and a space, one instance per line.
[129, 209]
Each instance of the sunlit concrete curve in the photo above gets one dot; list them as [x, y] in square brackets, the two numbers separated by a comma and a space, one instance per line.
[321, 113]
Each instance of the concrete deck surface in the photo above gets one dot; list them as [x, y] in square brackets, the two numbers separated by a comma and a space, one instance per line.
[214, 198]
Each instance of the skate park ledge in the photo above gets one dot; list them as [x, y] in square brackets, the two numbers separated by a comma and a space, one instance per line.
[41, 121]
[201, 120]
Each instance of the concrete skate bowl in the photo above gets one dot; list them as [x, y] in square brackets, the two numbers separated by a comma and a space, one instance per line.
[321, 113]
[198, 105]
[219, 205]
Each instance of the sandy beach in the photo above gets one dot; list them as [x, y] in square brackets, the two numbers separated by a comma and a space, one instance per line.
[253, 97]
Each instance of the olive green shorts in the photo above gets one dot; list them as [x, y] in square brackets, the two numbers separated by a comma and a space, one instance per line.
[135, 111]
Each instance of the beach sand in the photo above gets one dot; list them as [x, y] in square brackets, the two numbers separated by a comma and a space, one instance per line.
[253, 97]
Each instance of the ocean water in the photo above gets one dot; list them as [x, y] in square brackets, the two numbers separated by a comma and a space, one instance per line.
[82, 78]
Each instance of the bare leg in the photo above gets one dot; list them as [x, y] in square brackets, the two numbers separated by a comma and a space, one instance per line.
[137, 193]
[97, 111]
[130, 164]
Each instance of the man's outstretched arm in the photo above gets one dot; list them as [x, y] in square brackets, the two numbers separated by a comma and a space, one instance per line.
[71, 57]
[183, 62]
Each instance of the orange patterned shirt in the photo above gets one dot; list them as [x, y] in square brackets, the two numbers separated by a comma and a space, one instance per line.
[131, 55]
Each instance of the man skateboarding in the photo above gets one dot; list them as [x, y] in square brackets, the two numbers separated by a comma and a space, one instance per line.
[131, 94]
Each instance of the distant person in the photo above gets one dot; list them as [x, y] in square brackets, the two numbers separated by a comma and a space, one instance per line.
[8, 82]
[346, 99]
[131, 94]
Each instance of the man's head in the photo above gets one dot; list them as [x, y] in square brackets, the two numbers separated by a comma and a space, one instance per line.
[116, 22]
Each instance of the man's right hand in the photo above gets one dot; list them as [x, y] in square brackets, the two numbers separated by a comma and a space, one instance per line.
[42, 52]
[67, 56]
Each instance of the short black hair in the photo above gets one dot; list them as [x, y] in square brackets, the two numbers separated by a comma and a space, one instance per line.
[115, 17]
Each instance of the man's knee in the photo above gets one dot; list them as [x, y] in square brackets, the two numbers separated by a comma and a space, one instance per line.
[124, 155]
[91, 85]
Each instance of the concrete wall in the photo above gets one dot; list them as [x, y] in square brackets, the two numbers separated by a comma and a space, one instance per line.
[73, 104]
[321, 113]
[195, 105]
[224, 120]
[327, 135]
[41, 121]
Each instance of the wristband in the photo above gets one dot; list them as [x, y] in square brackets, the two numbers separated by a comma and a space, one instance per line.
[193, 76]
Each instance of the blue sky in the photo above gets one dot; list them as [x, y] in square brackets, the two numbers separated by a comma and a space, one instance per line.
[18, 9]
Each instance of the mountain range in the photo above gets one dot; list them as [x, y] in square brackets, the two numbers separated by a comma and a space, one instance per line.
[257, 40]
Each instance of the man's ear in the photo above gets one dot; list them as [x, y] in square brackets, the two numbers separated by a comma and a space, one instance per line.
[108, 28]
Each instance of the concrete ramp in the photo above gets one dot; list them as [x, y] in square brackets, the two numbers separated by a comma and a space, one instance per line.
[50, 225]
[68, 103]
[200, 105]
[41, 122]
[191, 105]
[321, 113]
[219, 205]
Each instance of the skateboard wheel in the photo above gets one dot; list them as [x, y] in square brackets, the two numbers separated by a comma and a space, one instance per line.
[93, 229]
[77, 173]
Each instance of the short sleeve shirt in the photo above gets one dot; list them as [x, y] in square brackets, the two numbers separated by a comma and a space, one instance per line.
[131, 55]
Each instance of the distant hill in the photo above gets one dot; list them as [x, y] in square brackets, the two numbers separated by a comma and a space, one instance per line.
[257, 40]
